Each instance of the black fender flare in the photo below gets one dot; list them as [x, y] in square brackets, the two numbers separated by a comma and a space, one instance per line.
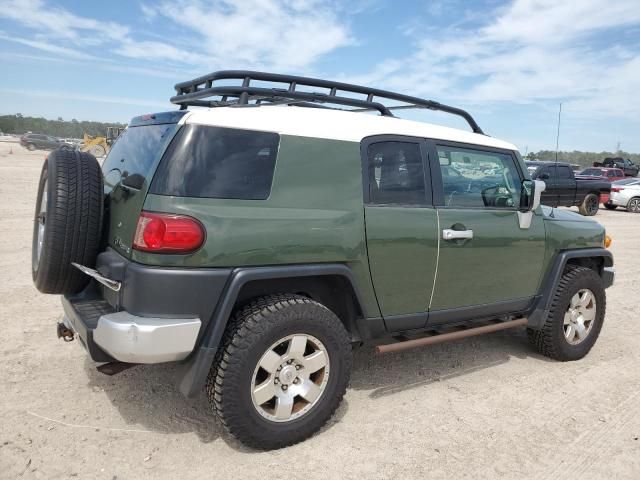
[197, 366]
[542, 306]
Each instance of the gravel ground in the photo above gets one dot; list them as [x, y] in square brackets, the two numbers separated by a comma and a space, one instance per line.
[486, 407]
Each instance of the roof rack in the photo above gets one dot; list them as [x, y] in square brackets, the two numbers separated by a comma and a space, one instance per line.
[198, 92]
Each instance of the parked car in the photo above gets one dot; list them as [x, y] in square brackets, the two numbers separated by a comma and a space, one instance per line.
[258, 244]
[563, 189]
[625, 193]
[630, 169]
[601, 173]
[36, 141]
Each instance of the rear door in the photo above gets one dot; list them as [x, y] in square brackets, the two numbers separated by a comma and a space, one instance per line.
[487, 263]
[136, 153]
[401, 228]
[566, 185]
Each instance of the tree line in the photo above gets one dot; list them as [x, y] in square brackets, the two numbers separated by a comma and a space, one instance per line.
[584, 159]
[19, 124]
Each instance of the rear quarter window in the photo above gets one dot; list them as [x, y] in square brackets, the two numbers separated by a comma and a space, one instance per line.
[215, 162]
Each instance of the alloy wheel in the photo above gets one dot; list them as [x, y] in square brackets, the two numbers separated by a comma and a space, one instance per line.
[290, 378]
[580, 316]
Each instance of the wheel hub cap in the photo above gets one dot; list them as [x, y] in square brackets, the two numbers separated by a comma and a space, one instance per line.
[287, 375]
[290, 378]
[580, 316]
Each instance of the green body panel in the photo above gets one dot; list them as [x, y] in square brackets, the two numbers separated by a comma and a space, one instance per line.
[501, 262]
[403, 249]
[314, 215]
[568, 230]
[125, 205]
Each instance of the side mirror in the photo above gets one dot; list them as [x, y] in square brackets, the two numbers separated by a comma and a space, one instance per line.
[543, 176]
[530, 194]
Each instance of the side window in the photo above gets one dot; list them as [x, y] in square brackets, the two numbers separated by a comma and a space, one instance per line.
[611, 173]
[396, 173]
[564, 172]
[478, 179]
[216, 162]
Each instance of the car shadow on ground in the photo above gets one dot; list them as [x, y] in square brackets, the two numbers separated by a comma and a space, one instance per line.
[147, 395]
[387, 374]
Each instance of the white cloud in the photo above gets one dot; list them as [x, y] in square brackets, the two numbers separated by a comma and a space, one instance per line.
[278, 34]
[529, 51]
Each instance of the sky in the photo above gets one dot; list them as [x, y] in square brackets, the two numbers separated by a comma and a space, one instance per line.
[509, 63]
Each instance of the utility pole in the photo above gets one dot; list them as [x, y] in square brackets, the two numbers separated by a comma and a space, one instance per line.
[558, 132]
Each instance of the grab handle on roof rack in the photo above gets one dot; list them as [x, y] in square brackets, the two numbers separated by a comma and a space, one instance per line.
[194, 92]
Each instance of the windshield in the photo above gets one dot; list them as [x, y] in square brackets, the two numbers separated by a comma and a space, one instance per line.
[135, 152]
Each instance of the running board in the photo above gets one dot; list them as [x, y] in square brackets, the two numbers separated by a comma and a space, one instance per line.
[454, 335]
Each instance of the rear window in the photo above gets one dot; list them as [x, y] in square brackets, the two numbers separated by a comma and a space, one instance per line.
[215, 162]
[135, 152]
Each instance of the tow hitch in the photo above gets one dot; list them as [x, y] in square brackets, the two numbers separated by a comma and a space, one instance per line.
[65, 332]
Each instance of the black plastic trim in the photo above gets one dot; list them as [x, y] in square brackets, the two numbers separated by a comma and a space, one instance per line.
[477, 312]
[199, 363]
[539, 312]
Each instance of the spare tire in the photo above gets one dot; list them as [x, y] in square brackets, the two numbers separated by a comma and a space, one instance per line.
[68, 221]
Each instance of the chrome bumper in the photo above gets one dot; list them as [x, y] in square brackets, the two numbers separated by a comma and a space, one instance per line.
[133, 339]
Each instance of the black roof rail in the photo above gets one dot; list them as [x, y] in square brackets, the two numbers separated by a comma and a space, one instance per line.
[198, 92]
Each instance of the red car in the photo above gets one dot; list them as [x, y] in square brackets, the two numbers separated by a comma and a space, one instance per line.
[601, 173]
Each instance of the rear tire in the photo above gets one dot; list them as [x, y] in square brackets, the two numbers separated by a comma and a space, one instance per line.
[259, 371]
[589, 206]
[68, 221]
[634, 205]
[571, 329]
[610, 206]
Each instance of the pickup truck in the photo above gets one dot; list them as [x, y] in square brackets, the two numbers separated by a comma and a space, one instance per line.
[629, 168]
[563, 189]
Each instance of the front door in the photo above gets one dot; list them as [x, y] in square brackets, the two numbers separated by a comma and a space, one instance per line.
[487, 263]
[401, 228]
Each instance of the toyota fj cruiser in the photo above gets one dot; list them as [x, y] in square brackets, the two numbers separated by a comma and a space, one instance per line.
[257, 240]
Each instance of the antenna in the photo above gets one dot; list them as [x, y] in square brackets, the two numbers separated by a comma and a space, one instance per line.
[558, 132]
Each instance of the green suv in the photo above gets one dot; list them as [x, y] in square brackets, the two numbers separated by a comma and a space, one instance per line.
[259, 236]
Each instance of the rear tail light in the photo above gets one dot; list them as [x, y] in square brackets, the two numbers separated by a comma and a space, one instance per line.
[168, 233]
[617, 189]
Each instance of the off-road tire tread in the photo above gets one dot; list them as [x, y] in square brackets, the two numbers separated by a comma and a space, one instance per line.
[544, 340]
[73, 221]
[248, 323]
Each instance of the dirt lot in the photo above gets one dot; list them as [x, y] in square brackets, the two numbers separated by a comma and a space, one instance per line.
[485, 407]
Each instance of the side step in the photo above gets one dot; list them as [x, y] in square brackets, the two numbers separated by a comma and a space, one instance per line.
[436, 337]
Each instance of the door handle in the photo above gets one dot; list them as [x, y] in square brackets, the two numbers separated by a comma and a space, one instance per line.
[449, 234]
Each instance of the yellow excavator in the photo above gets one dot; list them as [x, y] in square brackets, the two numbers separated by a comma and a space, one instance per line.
[99, 146]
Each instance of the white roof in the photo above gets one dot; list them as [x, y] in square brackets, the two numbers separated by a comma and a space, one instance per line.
[331, 124]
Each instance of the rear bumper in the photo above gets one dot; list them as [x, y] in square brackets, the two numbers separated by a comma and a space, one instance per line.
[123, 337]
[158, 315]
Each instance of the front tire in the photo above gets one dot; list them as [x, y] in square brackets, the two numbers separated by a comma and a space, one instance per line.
[31, 147]
[590, 205]
[575, 319]
[282, 371]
